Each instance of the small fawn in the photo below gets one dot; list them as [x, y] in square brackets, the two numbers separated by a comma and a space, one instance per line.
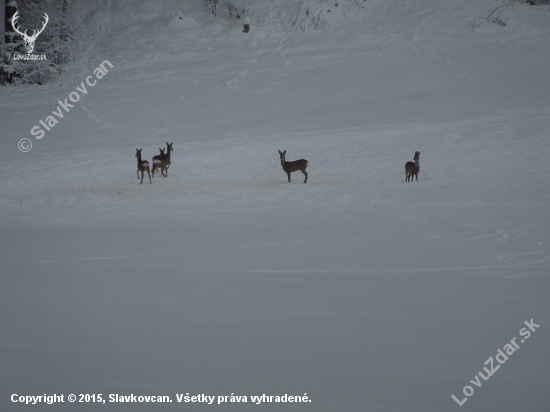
[159, 161]
[294, 166]
[142, 166]
[412, 169]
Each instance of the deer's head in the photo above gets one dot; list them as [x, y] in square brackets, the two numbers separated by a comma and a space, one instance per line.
[29, 40]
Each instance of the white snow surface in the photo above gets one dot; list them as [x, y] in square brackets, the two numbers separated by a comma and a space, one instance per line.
[360, 290]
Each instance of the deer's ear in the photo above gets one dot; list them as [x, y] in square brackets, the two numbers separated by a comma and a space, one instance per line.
[284, 152]
[280, 152]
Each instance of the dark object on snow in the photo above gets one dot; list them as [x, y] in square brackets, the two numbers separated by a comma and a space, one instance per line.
[412, 169]
[294, 166]
[142, 166]
[246, 25]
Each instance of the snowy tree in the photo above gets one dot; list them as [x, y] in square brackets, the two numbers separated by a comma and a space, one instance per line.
[2, 22]
[232, 9]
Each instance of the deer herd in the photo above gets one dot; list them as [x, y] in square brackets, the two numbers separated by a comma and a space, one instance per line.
[162, 162]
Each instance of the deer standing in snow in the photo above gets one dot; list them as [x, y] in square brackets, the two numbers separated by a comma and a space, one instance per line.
[29, 40]
[294, 166]
[412, 169]
[159, 161]
[169, 149]
[142, 166]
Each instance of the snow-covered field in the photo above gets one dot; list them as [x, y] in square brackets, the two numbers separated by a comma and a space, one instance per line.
[360, 290]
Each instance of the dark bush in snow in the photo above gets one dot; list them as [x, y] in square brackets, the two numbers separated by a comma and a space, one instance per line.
[231, 8]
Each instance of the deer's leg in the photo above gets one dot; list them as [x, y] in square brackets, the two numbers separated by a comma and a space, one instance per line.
[417, 177]
[305, 174]
[288, 173]
[165, 172]
[141, 177]
[149, 176]
[137, 173]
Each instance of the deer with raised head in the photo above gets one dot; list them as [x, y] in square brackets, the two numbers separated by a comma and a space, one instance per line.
[29, 40]
[169, 149]
[142, 166]
[159, 161]
[294, 166]
[412, 169]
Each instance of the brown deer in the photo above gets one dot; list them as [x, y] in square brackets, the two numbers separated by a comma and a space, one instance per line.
[412, 169]
[142, 166]
[294, 166]
[169, 149]
[159, 161]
